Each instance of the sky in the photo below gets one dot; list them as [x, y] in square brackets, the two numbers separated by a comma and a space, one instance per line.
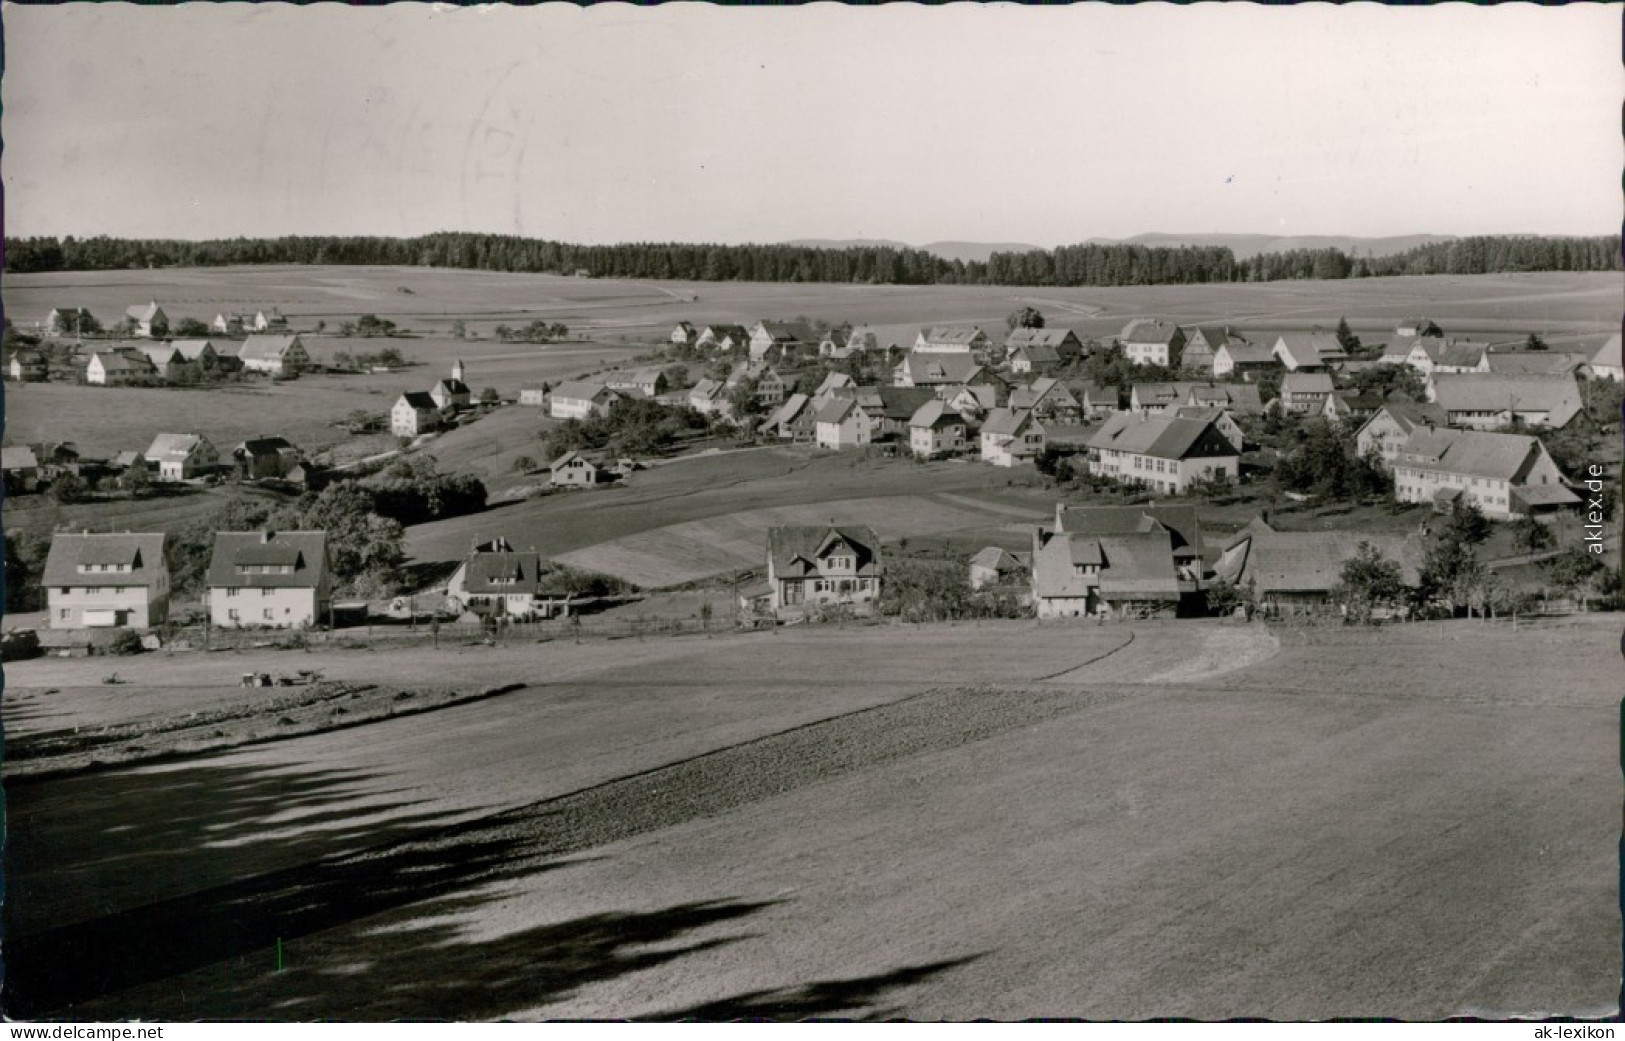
[690, 122]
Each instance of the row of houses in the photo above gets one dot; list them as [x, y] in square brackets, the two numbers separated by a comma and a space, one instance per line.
[150, 321]
[169, 458]
[272, 580]
[122, 364]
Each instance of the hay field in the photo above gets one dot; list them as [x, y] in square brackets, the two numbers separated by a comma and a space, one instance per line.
[1008, 820]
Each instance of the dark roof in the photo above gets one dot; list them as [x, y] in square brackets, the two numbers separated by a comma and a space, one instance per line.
[1489, 392]
[262, 347]
[1166, 437]
[266, 445]
[305, 551]
[1501, 457]
[419, 399]
[789, 547]
[521, 572]
[143, 552]
[1310, 561]
[1183, 521]
[1148, 330]
[901, 403]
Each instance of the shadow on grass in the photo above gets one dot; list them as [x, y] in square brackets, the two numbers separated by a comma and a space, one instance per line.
[857, 998]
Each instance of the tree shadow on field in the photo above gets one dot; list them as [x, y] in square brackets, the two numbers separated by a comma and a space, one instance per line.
[848, 1000]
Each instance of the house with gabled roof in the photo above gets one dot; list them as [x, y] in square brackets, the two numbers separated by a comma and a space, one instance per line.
[574, 470]
[495, 580]
[201, 353]
[786, 336]
[414, 413]
[723, 338]
[1308, 352]
[1164, 452]
[1345, 406]
[648, 382]
[1392, 424]
[683, 334]
[1298, 572]
[1157, 398]
[1151, 341]
[1489, 401]
[891, 408]
[710, 397]
[21, 469]
[232, 323]
[796, 420]
[119, 368]
[1604, 363]
[1505, 475]
[770, 386]
[181, 457]
[972, 400]
[1183, 522]
[1221, 419]
[268, 320]
[995, 566]
[1240, 358]
[1041, 350]
[1202, 345]
[28, 366]
[581, 399]
[936, 430]
[264, 458]
[167, 362]
[1121, 564]
[1303, 393]
[1459, 356]
[953, 339]
[812, 567]
[274, 355]
[1095, 400]
[832, 382]
[269, 580]
[840, 423]
[1011, 437]
[150, 320]
[919, 369]
[1240, 398]
[97, 581]
[1048, 399]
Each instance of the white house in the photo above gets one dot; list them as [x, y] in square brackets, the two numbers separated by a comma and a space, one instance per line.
[118, 368]
[936, 430]
[181, 457]
[1011, 438]
[1505, 475]
[1165, 452]
[811, 567]
[581, 399]
[415, 413]
[274, 355]
[97, 581]
[269, 580]
[1150, 341]
[150, 321]
[842, 424]
[495, 579]
[1605, 362]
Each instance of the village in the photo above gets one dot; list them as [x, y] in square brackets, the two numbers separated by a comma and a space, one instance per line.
[1153, 427]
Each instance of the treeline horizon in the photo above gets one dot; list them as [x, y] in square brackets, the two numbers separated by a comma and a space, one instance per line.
[1082, 265]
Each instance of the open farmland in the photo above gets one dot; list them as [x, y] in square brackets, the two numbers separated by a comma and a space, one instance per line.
[714, 505]
[1096, 821]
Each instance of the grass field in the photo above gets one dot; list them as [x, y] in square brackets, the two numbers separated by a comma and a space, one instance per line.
[941, 822]
[707, 514]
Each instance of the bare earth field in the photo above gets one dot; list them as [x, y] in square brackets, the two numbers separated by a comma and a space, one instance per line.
[1004, 820]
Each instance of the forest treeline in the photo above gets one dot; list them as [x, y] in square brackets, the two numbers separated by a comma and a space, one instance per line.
[1084, 265]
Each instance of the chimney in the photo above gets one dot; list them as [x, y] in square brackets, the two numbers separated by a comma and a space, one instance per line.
[1060, 515]
[265, 537]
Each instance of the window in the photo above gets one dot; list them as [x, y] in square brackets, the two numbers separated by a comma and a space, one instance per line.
[270, 613]
[266, 592]
[63, 613]
[232, 614]
[118, 590]
[232, 590]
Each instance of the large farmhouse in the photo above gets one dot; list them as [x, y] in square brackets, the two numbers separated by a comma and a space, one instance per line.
[182, 457]
[1292, 572]
[274, 355]
[1505, 475]
[1166, 453]
[496, 580]
[1489, 401]
[1122, 561]
[1150, 341]
[95, 581]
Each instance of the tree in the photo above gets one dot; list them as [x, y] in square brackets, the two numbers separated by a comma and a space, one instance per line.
[1369, 581]
[504, 332]
[68, 487]
[372, 325]
[1530, 535]
[190, 327]
[137, 480]
[1026, 318]
[489, 396]
[1224, 596]
[1467, 523]
[743, 399]
[1534, 343]
[1346, 338]
[1574, 571]
[459, 329]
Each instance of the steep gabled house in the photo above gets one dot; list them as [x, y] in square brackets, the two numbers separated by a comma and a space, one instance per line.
[1115, 561]
[936, 430]
[770, 386]
[1303, 393]
[995, 566]
[150, 322]
[710, 398]
[1392, 424]
[1221, 419]
[1505, 475]
[1604, 363]
[495, 580]
[1202, 346]
[574, 470]
[811, 567]
[1239, 358]
[1095, 400]
[1308, 352]
[414, 413]
[1048, 399]
[1348, 407]
[1011, 438]
[795, 421]
[840, 423]
[1239, 398]
[788, 337]
[95, 581]
[1041, 350]
[274, 355]
[1165, 452]
[265, 458]
[723, 338]
[21, 469]
[270, 580]
[119, 368]
[581, 399]
[27, 366]
[954, 339]
[181, 457]
[1151, 341]
[649, 382]
[938, 369]
[683, 334]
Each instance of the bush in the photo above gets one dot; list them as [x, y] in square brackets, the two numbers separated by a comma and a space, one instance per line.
[126, 642]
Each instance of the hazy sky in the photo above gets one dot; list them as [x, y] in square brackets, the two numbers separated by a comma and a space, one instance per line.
[697, 123]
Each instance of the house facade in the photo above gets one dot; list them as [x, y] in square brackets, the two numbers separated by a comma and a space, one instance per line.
[495, 580]
[1489, 401]
[1166, 453]
[265, 458]
[274, 355]
[1298, 572]
[269, 580]
[149, 321]
[101, 581]
[118, 368]
[581, 399]
[639, 383]
[1392, 425]
[414, 413]
[1308, 352]
[813, 567]
[1303, 393]
[795, 421]
[182, 457]
[574, 470]
[27, 366]
[1151, 341]
[995, 566]
[1604, 363]
[1011, 437]
[1121, 563]
[953, 339]
[786, 336]
[1505, 475]
[1240, 359]
[840, 423]
[935, 430]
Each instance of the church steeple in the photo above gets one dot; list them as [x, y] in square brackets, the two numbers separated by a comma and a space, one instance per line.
[457, 371]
